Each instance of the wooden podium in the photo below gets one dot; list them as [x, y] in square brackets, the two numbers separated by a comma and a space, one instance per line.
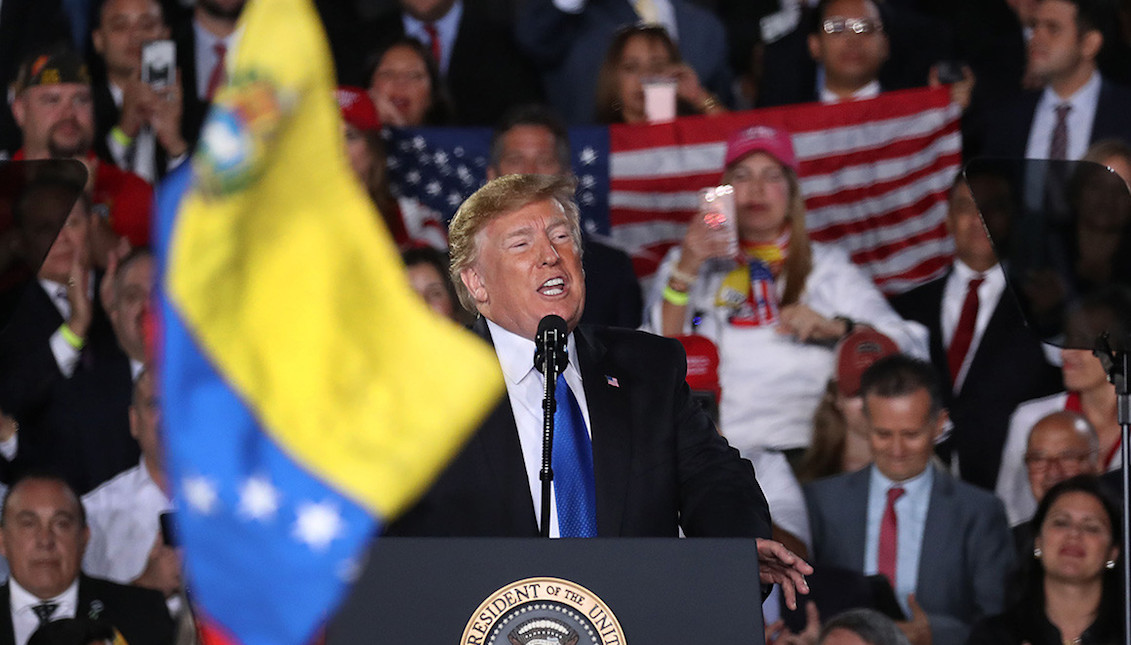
[501, 591]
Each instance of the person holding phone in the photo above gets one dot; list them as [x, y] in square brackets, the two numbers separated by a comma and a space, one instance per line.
[776, 307]
[138, 107]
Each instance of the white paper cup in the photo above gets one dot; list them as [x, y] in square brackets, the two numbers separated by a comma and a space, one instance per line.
[659, 99]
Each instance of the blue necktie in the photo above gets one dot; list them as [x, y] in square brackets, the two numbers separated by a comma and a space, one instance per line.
[574, 491]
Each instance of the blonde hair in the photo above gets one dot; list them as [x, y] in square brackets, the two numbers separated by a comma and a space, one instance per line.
[499, 197]
[799, 253]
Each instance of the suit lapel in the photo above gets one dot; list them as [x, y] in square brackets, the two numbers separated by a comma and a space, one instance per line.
[611, 432]
[501, 449]
[938, 526]
[856, 500]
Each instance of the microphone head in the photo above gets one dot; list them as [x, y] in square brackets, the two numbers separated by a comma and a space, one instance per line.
[550, 343]
[550, 323]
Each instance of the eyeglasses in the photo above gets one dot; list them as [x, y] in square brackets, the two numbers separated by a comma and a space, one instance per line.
[1039, 461]
[838, 24]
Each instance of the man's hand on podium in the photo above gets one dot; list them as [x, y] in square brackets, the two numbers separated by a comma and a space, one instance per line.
[778, 565]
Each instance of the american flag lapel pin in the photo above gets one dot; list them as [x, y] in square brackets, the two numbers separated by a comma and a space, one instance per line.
[612, 381]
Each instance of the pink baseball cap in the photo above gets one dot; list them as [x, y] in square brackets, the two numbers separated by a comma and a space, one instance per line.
[357, 108]
[762, 138]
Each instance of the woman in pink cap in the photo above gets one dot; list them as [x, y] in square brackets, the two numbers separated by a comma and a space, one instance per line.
[777, 307]
[410, 223]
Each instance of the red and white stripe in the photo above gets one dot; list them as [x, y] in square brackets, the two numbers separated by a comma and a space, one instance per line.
[874, 173]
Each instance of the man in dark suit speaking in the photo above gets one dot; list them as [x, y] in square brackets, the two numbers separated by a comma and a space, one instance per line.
[633, 455]
[43, 534]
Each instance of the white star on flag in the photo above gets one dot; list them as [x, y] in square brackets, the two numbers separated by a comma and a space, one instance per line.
[318, 524]
[588, 156]
[200, 493]
[259, 500]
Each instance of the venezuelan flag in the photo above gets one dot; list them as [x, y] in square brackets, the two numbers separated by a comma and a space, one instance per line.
[307, 394]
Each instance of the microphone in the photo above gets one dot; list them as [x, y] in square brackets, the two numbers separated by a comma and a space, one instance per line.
[550, 359]
[550, 343]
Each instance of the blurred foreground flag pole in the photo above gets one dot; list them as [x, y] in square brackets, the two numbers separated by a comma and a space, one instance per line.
[308, 396]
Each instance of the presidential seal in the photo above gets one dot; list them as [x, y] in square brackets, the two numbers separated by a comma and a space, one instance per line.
[543, 611]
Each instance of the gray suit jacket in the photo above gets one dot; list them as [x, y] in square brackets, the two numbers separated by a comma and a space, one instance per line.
[967, 548]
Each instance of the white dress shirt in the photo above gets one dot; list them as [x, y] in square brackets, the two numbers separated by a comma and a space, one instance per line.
[911, 518]
[954, 295]
[24, 620]
[124, 518]
[524, 388]
[825, 95]
[1079, 120]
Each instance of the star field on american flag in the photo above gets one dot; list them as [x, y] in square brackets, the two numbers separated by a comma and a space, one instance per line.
[441, 167]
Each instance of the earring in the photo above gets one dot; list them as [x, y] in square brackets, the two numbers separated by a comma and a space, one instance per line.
[1110, 564]
[1036, 552]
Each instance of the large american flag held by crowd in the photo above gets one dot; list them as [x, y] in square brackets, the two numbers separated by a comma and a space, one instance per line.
[874, 173]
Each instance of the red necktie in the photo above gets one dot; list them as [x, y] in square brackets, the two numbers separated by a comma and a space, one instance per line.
[889, 530]
[1058, 147]
[964, 332]
[434, 38]
[217, 75]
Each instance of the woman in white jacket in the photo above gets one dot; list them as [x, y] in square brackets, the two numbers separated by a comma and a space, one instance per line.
[777, 307]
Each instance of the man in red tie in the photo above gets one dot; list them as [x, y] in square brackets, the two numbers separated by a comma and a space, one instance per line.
[979, 344]
[942, 544]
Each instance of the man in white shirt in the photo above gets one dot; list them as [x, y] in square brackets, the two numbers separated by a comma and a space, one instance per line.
[942, 544]
[139, 125]
[634, 456]
[1076, 105]
[127, 544]
[991, 361]
[43, 534]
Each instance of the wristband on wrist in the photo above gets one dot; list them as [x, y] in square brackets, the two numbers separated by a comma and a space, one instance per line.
[677, 298]
[73, 339]
[683, 276]
[849, 324]
[120, 136]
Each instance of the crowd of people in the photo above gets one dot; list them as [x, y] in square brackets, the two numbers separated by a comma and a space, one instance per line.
[946, 472]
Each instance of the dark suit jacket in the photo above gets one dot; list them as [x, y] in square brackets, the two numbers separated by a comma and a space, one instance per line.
[487, 74]
[194, 109]
[658, 462]
[966, 554]
[31, 385]
[612, 291]
[139, 614]
[1005, 131]
[1008, 368]
[569, 48]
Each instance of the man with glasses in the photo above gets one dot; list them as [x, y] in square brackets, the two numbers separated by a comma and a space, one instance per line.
[848, 44]
[1061, 445]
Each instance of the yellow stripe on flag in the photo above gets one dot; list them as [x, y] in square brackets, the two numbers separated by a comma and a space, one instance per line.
[281, 270]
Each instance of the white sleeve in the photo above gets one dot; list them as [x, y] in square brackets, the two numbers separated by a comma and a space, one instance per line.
[66, 356]
[838, 287]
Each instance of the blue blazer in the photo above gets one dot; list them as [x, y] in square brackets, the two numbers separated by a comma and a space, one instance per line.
[967, 548]
[1005, 131]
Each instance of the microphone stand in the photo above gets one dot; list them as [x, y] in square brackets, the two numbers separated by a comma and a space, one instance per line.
[550, 368]
[1118, 366]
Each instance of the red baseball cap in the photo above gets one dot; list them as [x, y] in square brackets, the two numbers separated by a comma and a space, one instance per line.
[857, 352]
[357, 108]
[761, 138]
[702, 364]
